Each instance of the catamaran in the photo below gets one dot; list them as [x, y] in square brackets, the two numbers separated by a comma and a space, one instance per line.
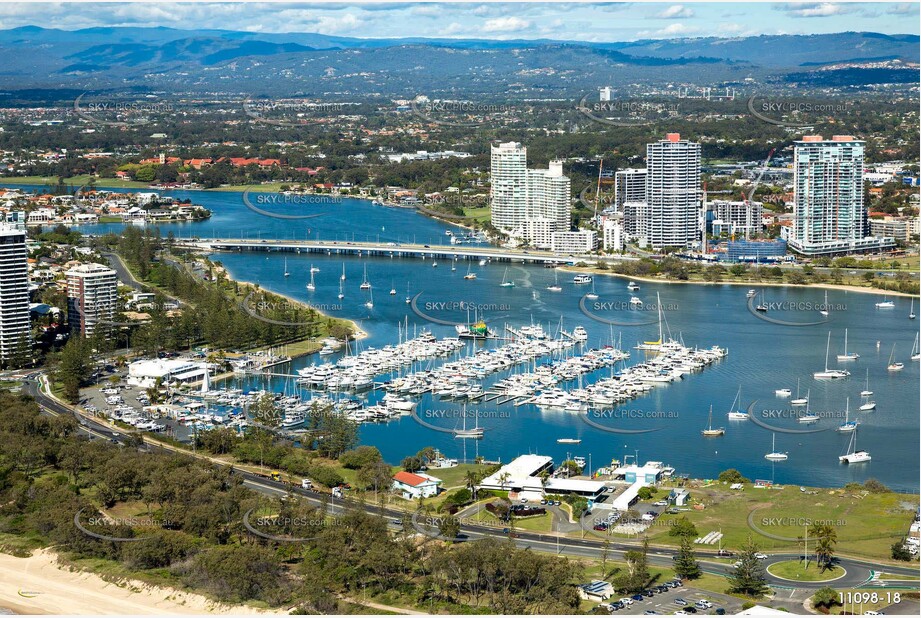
[710, 431]
[310, 284]
[853, 455]
[852, 356]
[774, 455]
[830, 374]
[734, 413]
[636, 301]
[894, 366]
[365, 284]
[505, 281]
[393, 290]
[848, 425]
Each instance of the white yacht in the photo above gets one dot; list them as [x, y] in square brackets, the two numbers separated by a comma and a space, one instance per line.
[711, 431]
[774, 455]
[847, 356]
[632, 286]
[579, 334]
[751, 294]
[915, 349]
[556, 283]
[866, 392]
[885, 304]
[799, 401]
[783, 392]
[506, 283]
[310, 284]
[287, 274]
[568, 441]
[853, 455]
[735, 414]
[894, 366]
[365, 284]
[593, 294]
[848, 425]
[824, 309]
[830, 374]
[581, 279]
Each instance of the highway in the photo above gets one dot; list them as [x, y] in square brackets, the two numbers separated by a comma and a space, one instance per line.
[858, 572]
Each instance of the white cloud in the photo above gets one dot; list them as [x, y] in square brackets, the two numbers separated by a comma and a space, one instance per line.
[676, 11]
[506, 24]
[815, 9]
[905, 8]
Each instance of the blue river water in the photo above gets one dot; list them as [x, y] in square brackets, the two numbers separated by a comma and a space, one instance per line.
[763, 356]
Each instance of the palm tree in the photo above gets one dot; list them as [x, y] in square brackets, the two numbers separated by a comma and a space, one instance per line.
[826, 538]
[471, 480]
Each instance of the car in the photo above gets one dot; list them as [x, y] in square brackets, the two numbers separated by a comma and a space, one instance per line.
[737, 563]
[660, 503]
[617, 605]
[543, 501]
[661, 588]
[703, 604]
[600, 527]
[677, 582]
[650, 612]
[690, 609]
[724, 553]
[720, 611]
[648, 593]
[626, 601]
[670, 584]
[680, 601]
[426, 246]
[761, 556]
[637, 597]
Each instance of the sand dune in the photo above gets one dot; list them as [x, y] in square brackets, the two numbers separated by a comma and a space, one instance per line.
[38, 585]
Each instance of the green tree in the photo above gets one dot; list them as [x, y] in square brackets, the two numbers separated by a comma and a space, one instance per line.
[264, 411]
[826, 537]
[73, 368]
[748, 576]
[686, 565]
[826, 597]
[732, 476]
[683, 527]
[449, 527]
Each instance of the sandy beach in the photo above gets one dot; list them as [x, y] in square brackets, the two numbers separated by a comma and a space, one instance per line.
[39, 585]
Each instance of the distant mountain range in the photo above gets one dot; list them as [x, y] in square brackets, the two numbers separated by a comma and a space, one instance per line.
[40, 59]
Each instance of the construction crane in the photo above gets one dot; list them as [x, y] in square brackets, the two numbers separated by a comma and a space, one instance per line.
[764, 167]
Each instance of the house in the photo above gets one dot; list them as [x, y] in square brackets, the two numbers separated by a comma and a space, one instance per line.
[596, 590]
[679, 497]
[412, 485]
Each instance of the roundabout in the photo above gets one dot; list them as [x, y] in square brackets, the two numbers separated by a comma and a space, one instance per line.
[793, 571]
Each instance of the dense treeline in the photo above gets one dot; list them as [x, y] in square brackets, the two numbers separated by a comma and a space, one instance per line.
[188, 518]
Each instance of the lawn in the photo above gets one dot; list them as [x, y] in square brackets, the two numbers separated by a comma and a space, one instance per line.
[794, 570]
[867, 525]
[76, 181]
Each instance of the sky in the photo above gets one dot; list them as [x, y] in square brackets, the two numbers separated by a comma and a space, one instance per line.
[596, 22]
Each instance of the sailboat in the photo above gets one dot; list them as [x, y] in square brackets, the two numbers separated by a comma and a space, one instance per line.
[911, 312]
[824, 309]
[556, 283]
[592, 295]
[287, 274]
[853, 455]
[885, 303]
[342, 276]
[774, 455]
[474, 432]
[799, 402]
[894, 366]
[454, 265]
[654, 345]
[470, 276]
[370, 303]
[867, 392]
[341, 293]
[915, 351]
[762, 307]
[365, 284]
[807, 416]
[848, 425]
[408, 299]
[393, 290]
[710, 431]
[310, 284]
[734, 413]
[830, 374]
[505, 282]
[847, 356]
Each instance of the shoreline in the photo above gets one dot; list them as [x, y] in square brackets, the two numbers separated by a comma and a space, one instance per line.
[41, 585]
[750, 284]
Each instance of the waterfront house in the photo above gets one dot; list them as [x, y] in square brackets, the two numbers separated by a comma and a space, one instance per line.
[412, 485]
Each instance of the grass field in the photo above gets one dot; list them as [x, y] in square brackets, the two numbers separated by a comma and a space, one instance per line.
[794, 570]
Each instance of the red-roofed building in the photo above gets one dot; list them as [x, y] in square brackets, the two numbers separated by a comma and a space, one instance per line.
[414, 485]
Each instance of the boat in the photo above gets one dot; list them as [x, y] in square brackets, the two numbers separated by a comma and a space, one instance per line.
[434, 264]
[894, 366]
[774, 455]
[824, 310]
[799, 402]
[848, 425]
[393, 290]
[314, 269]
[556, 283]
[751, 294]
[287, 274]
[915, 350]
[911, 312]
[868, 406]
[761, 306]
[710, 431]
[654, 345]
[885, 304]
[474, 432]
[783, 392]
[847, 356]
[569, 441]
[505, 282]
[341, 292]
[636, 301]
[579, 333]
[632, 286]
[310, 284]
[853, 455]
[326, 350]
[342, 276]
[470, 276]
[866, 392]
[454, 265]
[581, 279]
[370, 303]
[830, 374]
[483, 262]
[592, 295]
[365, 284]
[807, 416]
[734, 413]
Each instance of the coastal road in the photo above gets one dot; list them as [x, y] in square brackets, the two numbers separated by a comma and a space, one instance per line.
[858, 572]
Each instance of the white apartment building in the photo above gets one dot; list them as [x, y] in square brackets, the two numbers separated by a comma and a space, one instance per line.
[671, 215]
[520, 196]
[92, 295]
[629, 193]
[613, 233]
[14, 291]
[606, 93]
[828, 201]
[737, 217]
[581, 241]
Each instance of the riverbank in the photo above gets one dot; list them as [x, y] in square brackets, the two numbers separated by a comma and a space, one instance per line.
[749, 284]
[40, 584]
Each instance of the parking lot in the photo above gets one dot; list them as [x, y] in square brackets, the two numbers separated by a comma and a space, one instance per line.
[664, 602]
